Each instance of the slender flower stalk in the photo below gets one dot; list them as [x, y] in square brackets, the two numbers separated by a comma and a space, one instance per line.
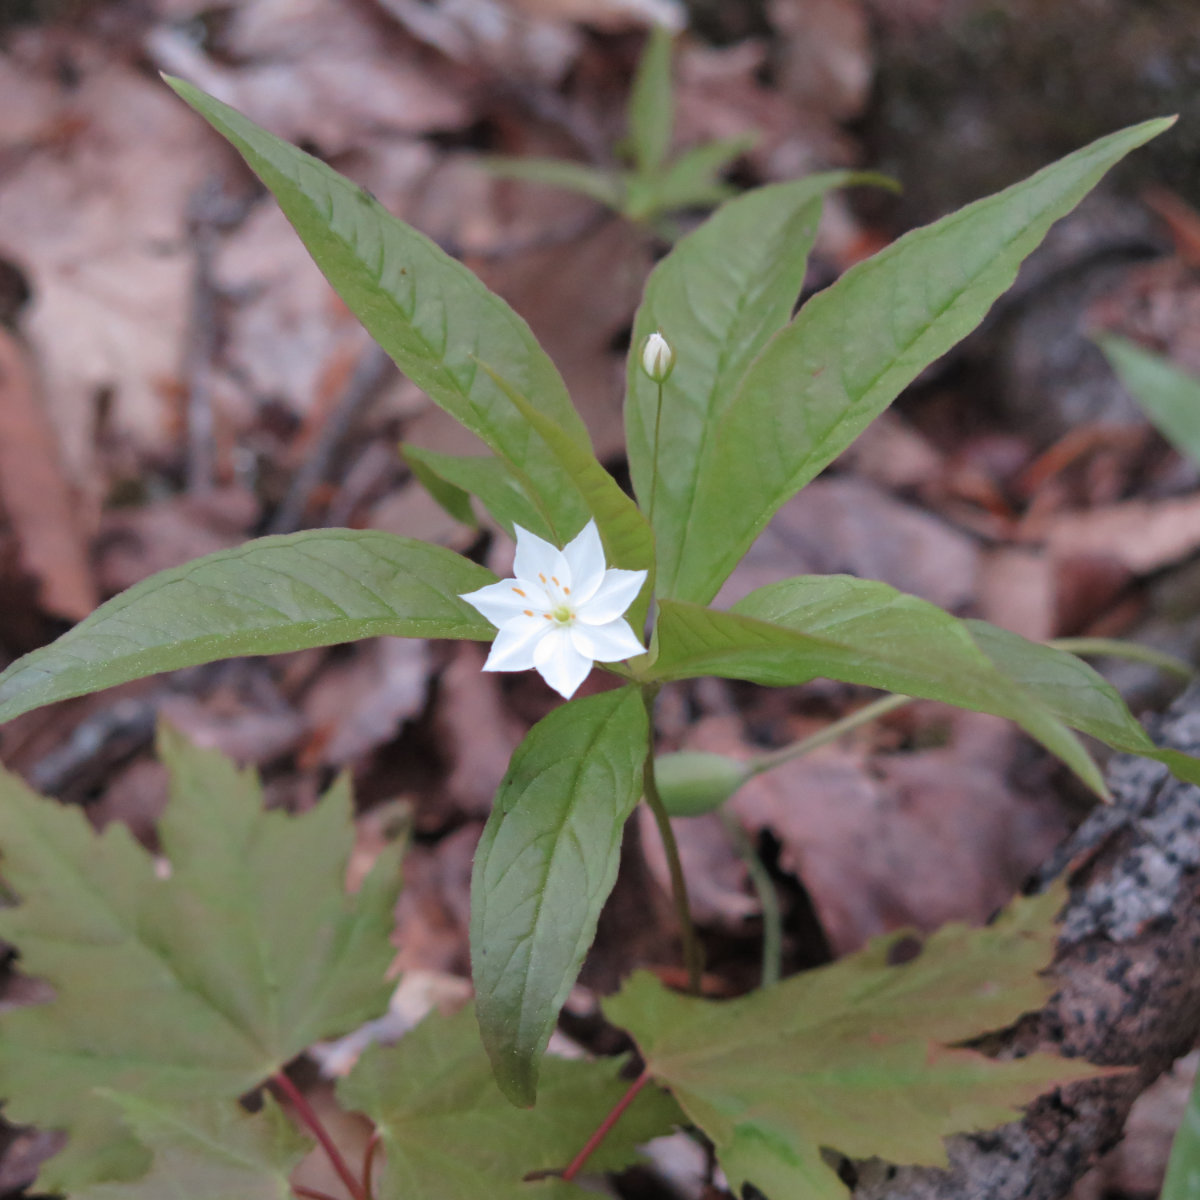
[658, 361]
[768, 901]
[654, 460]
[831, 733]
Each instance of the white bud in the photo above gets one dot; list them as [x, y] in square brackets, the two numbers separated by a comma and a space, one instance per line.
[658, 359]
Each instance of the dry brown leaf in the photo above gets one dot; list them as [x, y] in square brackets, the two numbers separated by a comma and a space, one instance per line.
[412, 512]
[136, 542]
[318, 71]
[716, 877]
[825, 57]
[1139, 535]
[1137, 1165]
[893, 455]
[845, 526]
[287, 325]
[884, 841]
[1017, 592]
[360, 703]
[577, 299]
[720, 94]
[42, 506]
[433, 913]
[476, 731]
[240, 727]
[98, 226]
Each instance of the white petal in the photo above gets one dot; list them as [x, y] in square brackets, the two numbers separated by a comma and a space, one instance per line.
[559, 663]
[612, 597]
[537, 559]
[513, 649]
[509, 598]
[585, 557]
[606, 643]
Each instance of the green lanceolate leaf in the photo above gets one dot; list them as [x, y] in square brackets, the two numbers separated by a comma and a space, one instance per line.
[855, 1056]
[182, 989]
[275, 594]
[1080, 697]
[448, 1132]
[452, 479]
[428, 311]
[209, 1150]
[865, 632]
[853, 348]
[692, 180]
[544, 867]
[652, 103]
[604, 186]
[1169, 396]
[454, 500]
[717, 298]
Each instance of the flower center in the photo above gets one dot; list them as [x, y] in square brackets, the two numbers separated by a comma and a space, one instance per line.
[561, 609]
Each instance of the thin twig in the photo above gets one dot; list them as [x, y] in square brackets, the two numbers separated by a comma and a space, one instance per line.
[308, 1116]
[692, 953]
[210, 211]
[370, 372]
[605, 1126]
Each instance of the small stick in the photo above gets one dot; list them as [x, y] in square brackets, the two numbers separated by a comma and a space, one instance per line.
[372, 369]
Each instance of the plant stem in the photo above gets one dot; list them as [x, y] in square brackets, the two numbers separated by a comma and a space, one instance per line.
[1134, 651]
[602, 1130]
[308, 1116]
[764, 887]
[831, 733]
[310, 1193]
[692, 955]
[654, 459]
[369, 1163]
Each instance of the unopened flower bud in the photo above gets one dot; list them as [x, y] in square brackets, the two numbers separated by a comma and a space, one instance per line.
[658, 359]
[693, 782]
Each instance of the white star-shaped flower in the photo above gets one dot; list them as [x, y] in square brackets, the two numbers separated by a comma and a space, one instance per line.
[563, 611]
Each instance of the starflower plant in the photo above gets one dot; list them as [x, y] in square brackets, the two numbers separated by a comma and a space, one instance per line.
[734, 401]
[562, 611]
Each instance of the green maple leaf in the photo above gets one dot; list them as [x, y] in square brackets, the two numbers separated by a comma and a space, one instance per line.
[857, 1057]
[449, 1132]
[196, 986]
[211, 1150]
